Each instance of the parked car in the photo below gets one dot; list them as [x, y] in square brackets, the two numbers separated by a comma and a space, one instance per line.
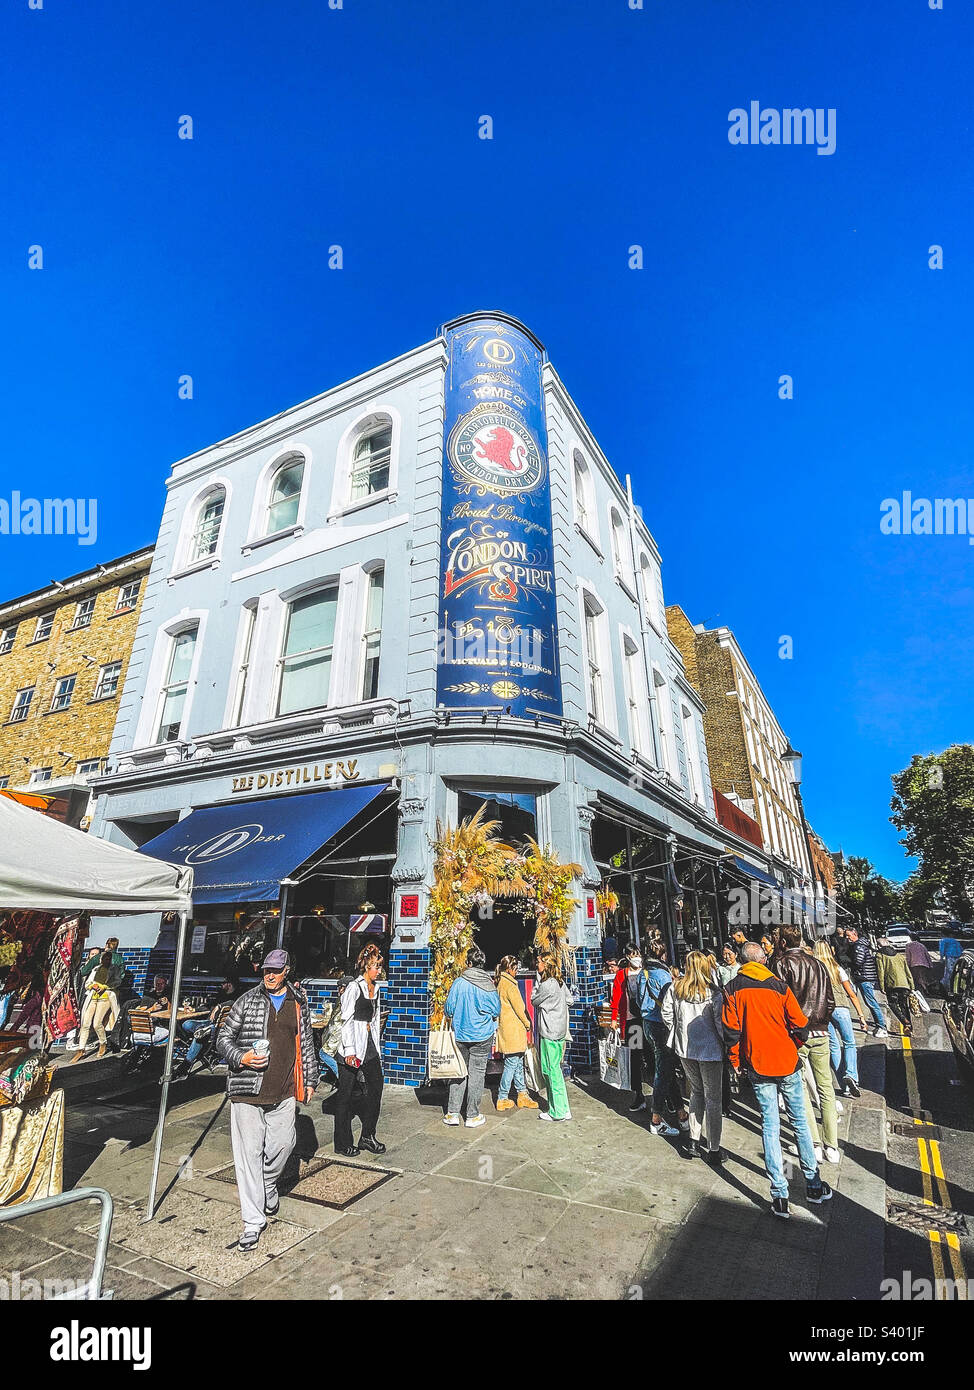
[899, 933]
[958, 1013]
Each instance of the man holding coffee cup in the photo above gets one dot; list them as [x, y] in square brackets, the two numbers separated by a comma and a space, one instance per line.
[268, 1045]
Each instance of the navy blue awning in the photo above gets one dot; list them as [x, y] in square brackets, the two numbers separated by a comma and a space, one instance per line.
[753, 871]
[240, 853]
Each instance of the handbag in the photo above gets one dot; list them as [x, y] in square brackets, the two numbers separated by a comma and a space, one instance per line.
[532, 1069]
[614, 1062]
[922, 1007]
[445, 1062]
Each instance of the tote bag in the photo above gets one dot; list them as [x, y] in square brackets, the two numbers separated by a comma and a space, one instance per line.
[614, 1062]
[445, 1060]
[532, 1069]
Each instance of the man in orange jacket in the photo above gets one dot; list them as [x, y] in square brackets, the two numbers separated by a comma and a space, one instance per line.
[764, 1027]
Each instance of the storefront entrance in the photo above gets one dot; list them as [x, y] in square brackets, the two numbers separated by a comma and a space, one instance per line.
[505, 932]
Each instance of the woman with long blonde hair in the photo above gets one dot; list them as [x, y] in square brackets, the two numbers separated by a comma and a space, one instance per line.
[842, 1040]
[691, 1010]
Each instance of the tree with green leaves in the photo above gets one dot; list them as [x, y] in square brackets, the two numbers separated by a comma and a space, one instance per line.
[933, 805]
[865, 893]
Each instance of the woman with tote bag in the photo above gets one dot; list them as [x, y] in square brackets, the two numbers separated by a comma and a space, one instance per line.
[550, 1001]
[512, 1037]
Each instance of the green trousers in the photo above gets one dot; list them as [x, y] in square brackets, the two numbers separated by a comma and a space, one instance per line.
[817, 1052]
[551, 1054]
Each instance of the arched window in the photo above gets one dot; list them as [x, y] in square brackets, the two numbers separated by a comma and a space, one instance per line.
[372, 634]
[596, 657]
[371, 462]
[284, 497]
[206, 531]
[584, 496]
[647, 576]
[179, 665]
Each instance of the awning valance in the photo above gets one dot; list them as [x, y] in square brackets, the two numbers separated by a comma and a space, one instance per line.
[753, 871]
[240, 853]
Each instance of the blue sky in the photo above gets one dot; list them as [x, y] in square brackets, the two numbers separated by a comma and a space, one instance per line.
[359, 127]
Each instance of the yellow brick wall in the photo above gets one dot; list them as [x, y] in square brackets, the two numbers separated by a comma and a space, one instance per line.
[710, 670]
[84, 729]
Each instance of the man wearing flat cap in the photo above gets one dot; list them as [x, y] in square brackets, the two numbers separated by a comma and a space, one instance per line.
[269, 1049]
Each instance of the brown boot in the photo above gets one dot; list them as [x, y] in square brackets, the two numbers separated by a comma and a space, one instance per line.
[505, 1105]
[102, 1050]
[77, 1056]
[524, 1101]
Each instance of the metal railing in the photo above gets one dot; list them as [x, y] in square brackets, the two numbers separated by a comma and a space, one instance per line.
[63, 1199]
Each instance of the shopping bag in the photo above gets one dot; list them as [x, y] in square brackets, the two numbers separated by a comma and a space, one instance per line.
[532, 1069]
[921, 1003]
[614, 1062]
[445, 1060]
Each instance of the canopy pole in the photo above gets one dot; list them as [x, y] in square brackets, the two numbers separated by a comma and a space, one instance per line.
[167, 1068]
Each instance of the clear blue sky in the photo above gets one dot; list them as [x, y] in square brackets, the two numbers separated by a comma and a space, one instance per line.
[359, 127]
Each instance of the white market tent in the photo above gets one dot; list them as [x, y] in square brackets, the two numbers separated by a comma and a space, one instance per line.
[46, 866]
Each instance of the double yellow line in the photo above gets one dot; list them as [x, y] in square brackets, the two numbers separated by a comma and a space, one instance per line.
[932, 1168]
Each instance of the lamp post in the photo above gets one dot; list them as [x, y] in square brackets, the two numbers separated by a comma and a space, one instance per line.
[793, 762]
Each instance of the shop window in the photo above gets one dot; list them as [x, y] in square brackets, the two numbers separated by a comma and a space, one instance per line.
[517, 812]
[305, 665]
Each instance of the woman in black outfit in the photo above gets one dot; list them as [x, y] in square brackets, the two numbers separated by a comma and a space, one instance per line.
[360, 1064]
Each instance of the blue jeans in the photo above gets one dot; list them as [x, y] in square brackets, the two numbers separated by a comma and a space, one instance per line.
[513, 1071]
[199, 1030]
[845, 1058]
[665, 1089]
[327, 1060]
[868, 993]
[766, 1094]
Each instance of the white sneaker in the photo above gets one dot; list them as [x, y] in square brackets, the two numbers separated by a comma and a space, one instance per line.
[476, 1122]
[881, 1033]
[665, 1129]
[451, 1119]
[543, 1115]
[819, 1153]
[839, 1107]
[832, 1156]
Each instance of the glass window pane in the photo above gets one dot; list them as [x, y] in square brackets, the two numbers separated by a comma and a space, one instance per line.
[182, 657]
[373, 615]
[172, 713]
[304, 683]
[311, 622]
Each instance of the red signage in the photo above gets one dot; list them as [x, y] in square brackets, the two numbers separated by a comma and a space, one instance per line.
[409, 905]
[590, 909]
[733, 818]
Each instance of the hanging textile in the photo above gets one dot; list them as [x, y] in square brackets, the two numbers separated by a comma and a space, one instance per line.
[61, 1011]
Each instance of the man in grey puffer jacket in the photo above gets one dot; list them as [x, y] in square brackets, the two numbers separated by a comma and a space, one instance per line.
[268, 1045]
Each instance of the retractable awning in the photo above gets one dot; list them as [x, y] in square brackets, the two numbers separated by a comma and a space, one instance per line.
[240, 853]
[753, 871]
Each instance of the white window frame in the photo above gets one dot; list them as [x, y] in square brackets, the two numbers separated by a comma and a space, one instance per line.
[620, 548]
[42, 618]
[638, 704]
[243, 661]
[647, 578]
[380, 416]
[691, 749]
[262, 496]
[167, 684]
[319, 588]
[664, 722]
[8, 637]
[99, 693]
[598, 663]
[36, 780]
[120, 606]
[88, 767]
[367, 632]
[24, 705]
[58, 692]
[83, 619]
[585, 507]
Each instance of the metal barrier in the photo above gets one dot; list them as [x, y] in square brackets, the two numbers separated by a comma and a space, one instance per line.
[62, 1199]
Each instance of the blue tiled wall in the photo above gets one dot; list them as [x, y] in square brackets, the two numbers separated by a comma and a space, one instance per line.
[406, 1042]
[583, 1051]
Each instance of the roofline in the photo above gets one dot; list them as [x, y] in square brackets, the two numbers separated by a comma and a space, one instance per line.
[98, 574]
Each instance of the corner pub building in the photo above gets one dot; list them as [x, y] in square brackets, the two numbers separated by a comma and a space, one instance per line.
[424, 590]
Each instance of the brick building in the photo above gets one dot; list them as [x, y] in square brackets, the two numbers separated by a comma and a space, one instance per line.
[744, 741]
[64, 650]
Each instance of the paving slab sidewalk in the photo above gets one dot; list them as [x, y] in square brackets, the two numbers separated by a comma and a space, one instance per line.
[598, 1208]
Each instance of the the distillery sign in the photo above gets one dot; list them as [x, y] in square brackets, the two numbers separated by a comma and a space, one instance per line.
[334, 774]
[498, 626]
